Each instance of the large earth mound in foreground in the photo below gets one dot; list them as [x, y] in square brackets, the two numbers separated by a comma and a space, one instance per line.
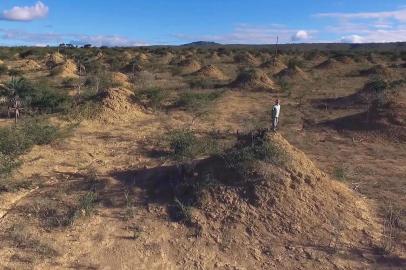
[264, 205]
[253, 79]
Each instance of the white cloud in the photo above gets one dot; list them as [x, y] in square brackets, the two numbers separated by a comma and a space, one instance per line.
[352, 39]
[26, 13]
[76, 39]
[363, 27]
[399, 15]
[247, 34]
[105, 40]
[300, 35]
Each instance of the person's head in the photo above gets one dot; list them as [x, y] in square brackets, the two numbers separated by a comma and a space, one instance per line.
[277, 101]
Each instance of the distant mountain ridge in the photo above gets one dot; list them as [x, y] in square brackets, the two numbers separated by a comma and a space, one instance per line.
[202, 43]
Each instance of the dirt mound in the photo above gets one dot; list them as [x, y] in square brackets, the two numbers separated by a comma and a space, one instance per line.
[276, 66]
[264, 194]
[141, 58]
[119, 78]
[379, 70]
[212, 72]
[56, 58]
[165, 58]
[30, 65]
[214, 57]
[380, 120]
[329, 64]
[68, 69]
[344, 59]
[294, 73]
[189, 66]
[253, 79]
[247, 59]
[116, 104]
[372, 91]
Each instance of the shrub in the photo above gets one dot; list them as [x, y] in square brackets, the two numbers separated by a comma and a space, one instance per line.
[201, 83]
[39, 133]
[87, 203]
[152, 97]
[18, 140]
[3, 69]
[242, 157]
[184, 144]
[339, 173]
[47, 100]
[196, 102]
[295, 62]
[7, 165]
[86, 111]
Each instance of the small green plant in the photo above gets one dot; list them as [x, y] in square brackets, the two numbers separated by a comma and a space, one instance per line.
[197, 102]
[183, 212]
[88, 110]
[184, 144]
[87, 203]
[242, 157]
[3, 69]
[285, 87]
[340, 173]
[153, 97]
[129, 205]
[7, 165]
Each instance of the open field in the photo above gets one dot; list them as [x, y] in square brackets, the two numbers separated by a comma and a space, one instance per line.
[160, 158]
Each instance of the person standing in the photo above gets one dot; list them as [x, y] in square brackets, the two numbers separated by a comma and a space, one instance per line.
[276, 109]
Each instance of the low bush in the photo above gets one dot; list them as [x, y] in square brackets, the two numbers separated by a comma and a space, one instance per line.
[242, 157]
[153, 97]
[184, 144]
[20, 139]
[3, 69]
[197, 102]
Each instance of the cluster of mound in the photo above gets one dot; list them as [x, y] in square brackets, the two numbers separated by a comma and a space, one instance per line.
[212, 72]
[189, 65]
[247, 59]
[253, 79]
[67, 69]
[116, 104]
[293, 73]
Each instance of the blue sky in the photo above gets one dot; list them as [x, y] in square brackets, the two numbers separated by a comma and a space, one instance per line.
[127, 23]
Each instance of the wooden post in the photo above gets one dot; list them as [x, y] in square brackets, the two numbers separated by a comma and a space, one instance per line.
[276, 51]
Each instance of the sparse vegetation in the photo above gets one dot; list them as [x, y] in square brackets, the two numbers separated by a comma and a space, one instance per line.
[153, 98]
[184, 144]
[340, 173]
[198, 103]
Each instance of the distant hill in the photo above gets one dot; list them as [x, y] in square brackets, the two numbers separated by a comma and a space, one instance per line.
[202, 43]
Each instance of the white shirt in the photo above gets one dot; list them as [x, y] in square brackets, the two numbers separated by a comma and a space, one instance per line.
[277, 109]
